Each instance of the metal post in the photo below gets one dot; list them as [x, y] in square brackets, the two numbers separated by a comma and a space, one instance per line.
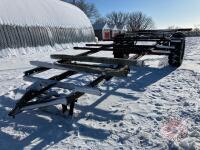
[71, 110]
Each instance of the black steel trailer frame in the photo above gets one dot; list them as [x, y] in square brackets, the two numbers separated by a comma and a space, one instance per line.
[163, 42]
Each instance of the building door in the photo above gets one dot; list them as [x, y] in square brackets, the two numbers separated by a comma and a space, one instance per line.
[107, 35]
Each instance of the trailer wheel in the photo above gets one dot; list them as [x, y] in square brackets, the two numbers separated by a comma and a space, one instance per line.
[119, 52]
[176, 56]
[120, 55]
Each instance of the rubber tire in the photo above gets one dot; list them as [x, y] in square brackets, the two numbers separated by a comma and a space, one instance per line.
[121, 55]
[176, 57]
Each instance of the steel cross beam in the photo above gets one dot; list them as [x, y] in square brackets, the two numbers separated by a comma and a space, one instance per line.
[33, 94]
[42, 69]
[24, 103]
[73, 97]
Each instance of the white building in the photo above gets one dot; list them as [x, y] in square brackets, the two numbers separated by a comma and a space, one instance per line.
[115, 31]
[29, 23]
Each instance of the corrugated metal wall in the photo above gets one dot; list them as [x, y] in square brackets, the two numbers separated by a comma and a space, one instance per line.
[17, 36]
[32, 23]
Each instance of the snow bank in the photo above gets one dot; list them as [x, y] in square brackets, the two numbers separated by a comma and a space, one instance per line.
[18, 52]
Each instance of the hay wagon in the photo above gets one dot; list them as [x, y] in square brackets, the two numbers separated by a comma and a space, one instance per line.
[162, 42]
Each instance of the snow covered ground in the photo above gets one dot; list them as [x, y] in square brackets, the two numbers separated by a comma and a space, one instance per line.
[130, 114]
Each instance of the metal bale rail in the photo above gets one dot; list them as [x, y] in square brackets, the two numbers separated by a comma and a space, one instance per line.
[164, 42]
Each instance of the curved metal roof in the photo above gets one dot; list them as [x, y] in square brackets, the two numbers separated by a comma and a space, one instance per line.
[53, 13]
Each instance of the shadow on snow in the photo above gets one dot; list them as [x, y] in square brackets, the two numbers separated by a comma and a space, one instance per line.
[45, 128]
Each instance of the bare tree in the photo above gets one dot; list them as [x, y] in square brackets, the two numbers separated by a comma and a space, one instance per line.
[196, 31]
[70, 1]
[117, 18]
[100, 20]
[88, 8]
[173, 27]
[139, 21]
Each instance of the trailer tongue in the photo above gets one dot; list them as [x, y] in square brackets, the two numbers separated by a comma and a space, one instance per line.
[145, 42]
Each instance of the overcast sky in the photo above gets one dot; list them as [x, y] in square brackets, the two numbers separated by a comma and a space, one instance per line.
[165, 13]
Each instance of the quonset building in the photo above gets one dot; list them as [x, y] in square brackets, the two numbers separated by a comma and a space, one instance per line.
[31, 23]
